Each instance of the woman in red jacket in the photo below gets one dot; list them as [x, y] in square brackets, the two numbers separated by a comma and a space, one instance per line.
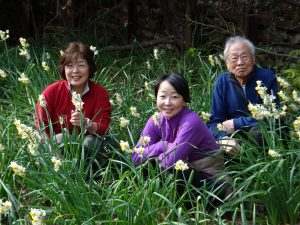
[74, 101]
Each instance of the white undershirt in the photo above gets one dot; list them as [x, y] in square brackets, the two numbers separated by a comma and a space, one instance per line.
[244, 89]
[85, 90]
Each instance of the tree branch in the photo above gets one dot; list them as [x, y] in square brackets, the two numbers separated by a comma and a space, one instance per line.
[168, 39]
[293, 2]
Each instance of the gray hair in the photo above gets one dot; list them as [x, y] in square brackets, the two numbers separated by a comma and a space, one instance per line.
[235, 39]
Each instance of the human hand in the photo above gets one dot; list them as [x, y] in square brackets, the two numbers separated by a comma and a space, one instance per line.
[75, 118]
[229, 145]
[229, 126]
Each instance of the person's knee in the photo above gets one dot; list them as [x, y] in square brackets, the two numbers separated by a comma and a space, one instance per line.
[256, 134]
[58, 138]
[92, 142]
[61, 138]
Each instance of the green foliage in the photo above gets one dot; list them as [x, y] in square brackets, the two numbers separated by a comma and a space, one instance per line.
[108, 188]
[292, 73]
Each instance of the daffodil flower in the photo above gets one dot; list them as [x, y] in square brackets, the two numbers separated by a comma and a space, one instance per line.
[282, 83]
[148, 65]
[94, 49]
[5, 206]
[119, 99]
[205, 116]
[42, 101]
[134, 112]
[273, 153]
[37, 216]
[125, 146]
[145, 140]
[180, 165]
[23, 78]
[45, 66]
[156, 53]
[2, 74]
[155, 118]
[57, 163]
[18, 169]
[124, 122]
[221, 127]
[4, 35]
[77, 101]
[139, 150]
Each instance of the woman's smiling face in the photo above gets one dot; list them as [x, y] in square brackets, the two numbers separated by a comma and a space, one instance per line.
[77, 73]
[168, 101]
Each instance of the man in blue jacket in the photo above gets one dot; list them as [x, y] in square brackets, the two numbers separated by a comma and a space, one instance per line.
[235, 89]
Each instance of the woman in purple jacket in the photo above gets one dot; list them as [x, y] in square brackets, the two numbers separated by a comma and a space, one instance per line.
[177, 133]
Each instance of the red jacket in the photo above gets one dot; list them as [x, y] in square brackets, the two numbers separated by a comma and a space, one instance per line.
[58, 98]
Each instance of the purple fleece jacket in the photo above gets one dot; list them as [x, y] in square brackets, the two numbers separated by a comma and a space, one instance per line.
[184, 136]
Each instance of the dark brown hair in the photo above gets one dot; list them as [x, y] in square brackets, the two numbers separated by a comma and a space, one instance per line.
[72, 52]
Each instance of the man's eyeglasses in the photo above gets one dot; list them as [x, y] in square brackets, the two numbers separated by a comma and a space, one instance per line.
[235, 58]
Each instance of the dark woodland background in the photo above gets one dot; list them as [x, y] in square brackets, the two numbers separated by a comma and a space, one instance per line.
[273, 25]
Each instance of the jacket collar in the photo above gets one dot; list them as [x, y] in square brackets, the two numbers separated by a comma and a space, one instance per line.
[85, 90]
[176, 117]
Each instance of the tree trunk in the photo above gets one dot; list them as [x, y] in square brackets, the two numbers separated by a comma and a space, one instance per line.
[69, 15]
[132, 15]
[176, 14]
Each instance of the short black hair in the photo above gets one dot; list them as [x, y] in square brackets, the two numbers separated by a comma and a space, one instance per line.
[178, 82]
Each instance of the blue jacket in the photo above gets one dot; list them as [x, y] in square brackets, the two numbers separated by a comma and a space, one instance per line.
[230, 102]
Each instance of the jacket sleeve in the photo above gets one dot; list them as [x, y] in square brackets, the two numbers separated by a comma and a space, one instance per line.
[155, 147]
[244, 122]
[218, 114]
[188, 136]
[102, 115]
[44, 116]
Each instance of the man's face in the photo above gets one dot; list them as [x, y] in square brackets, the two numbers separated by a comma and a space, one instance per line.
[240, 61]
